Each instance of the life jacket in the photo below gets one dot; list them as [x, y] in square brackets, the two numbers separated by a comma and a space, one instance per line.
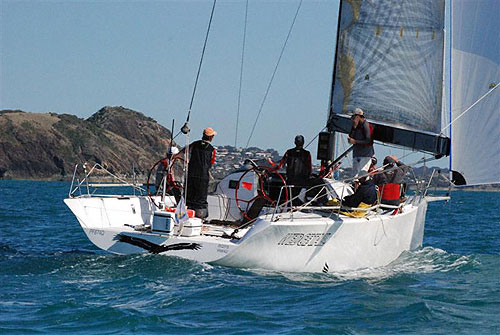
[359, 130]
[372, 130]
[390, 191]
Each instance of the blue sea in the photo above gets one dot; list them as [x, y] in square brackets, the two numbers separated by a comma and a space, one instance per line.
[54, 281]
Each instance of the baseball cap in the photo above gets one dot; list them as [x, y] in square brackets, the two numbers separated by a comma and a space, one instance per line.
[358, 111]
[209, 132]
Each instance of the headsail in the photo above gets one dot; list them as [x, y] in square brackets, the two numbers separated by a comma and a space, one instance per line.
[475, 72]
[389, 62]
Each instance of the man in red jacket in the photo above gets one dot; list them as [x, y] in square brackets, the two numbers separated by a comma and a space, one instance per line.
[389, 181]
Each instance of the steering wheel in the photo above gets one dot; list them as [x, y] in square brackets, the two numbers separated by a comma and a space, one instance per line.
[264, 173]
[169, 168]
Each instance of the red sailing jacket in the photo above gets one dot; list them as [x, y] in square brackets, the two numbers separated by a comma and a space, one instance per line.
[390, 191]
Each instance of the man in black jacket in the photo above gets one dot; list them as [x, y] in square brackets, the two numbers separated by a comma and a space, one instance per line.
[201, 158]
[298, 166]
[366, 193]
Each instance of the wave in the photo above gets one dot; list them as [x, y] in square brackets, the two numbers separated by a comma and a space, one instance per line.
[9, 252]
[6, 249]
[154, 267]
[421, 261]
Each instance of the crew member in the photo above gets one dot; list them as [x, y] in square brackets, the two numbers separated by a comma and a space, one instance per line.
[373, 165]
[298, 166]
[390, 180]
[164, 168]
[366, 193]
[201, 158]
[361, 137]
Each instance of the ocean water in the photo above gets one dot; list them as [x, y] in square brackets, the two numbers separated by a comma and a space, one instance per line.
[54, 281]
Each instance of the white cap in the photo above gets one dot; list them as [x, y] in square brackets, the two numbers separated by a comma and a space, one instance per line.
[358, 111]
[173, 151]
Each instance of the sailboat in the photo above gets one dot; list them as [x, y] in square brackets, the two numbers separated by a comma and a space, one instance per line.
[390, 62]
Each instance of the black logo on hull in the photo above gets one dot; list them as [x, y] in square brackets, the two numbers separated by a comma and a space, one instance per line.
[153, 247]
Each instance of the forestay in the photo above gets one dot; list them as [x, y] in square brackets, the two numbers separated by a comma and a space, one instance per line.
[390, 62]
[475, 72]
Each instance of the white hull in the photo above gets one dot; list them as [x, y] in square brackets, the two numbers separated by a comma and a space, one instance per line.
[297, 242]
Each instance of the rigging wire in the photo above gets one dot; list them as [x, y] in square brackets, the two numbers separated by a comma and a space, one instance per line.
[315, 137]
[343, 145]
[423, 160]
[201, 62]
[405, 154]
[241, 73]
[185, 128]
[274, 72]
[468, 109]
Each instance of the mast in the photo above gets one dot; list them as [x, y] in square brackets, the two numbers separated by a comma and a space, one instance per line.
[334, 71]
[449, 88]
[327, 140]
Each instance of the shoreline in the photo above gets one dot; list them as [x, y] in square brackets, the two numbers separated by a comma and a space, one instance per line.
[480, 188]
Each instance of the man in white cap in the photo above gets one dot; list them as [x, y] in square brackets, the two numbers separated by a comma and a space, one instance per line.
[361, 137]
[164, 166]
[201, 159]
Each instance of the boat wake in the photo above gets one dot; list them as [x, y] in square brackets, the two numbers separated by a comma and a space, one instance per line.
[421, 261]
[425, 260]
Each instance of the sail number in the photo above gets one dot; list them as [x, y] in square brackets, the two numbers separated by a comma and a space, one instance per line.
[305, 239]
[96, 232]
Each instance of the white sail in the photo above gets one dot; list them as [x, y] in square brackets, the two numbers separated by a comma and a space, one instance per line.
[475, 134]
[390, 62]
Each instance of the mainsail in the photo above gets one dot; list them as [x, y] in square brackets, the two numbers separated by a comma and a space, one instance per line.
[475, 72]
[389, 62]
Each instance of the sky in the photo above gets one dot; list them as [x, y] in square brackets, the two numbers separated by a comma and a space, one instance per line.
[78, 56]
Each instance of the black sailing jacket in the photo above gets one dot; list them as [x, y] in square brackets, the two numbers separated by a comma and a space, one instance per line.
[201, 158]
[298, 165]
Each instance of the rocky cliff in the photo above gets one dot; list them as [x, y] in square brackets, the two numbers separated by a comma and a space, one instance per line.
[47, 146]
